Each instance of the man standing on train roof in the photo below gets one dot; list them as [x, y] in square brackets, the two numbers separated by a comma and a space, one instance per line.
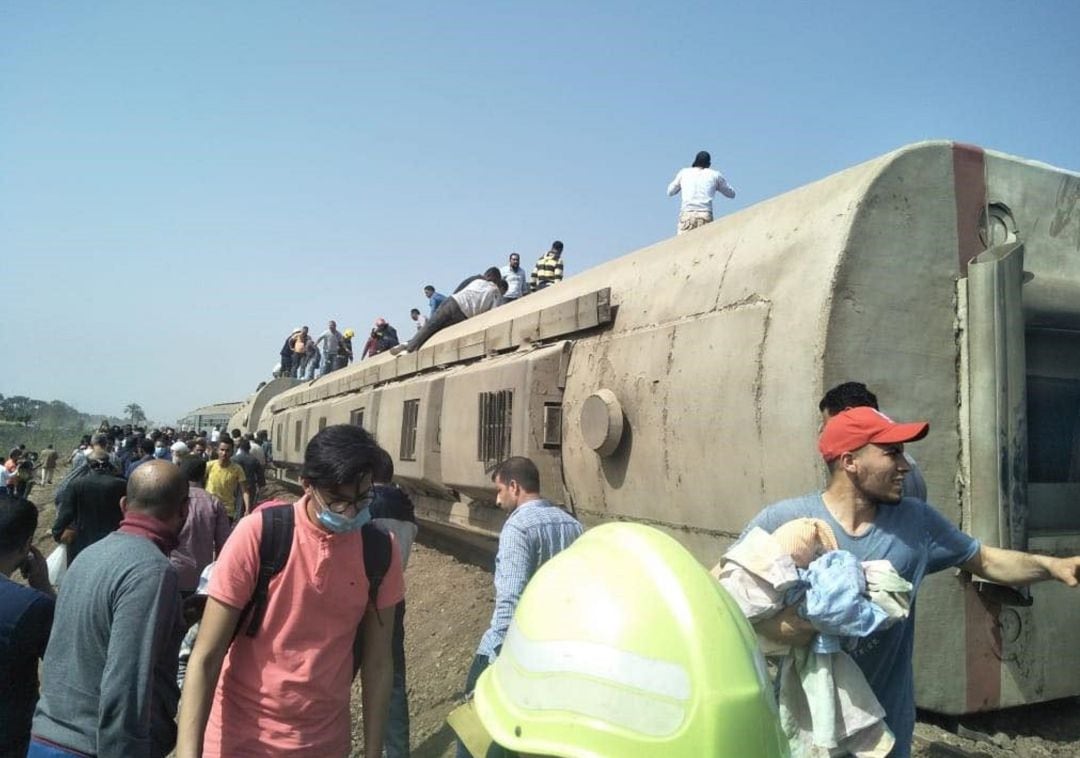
[698, 184]
[286, 353]
[549, 269]
[517, 284]
[329, 343]
[856, 395]
[864, 506]
[435, 299]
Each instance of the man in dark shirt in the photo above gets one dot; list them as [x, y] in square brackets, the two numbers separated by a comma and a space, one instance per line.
[253, 470]
[26, 615]
[90, 507]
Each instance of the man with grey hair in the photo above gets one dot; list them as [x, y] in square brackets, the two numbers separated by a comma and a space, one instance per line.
[109, 673]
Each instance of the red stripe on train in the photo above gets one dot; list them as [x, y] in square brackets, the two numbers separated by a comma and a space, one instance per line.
[969, 184]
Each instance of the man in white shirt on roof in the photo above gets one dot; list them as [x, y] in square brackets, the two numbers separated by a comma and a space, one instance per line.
[698, 184]
[476, 295]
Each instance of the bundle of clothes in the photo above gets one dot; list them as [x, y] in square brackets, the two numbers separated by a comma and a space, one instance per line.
[826, 705]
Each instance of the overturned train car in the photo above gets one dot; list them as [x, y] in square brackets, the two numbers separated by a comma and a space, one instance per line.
[677, 386]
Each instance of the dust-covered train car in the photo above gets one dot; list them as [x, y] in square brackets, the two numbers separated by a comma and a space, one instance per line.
[678, 386]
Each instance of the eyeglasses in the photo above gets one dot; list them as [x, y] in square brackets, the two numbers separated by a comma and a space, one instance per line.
[362, 501]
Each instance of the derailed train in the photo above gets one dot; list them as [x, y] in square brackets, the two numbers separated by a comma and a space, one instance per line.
[677, 386]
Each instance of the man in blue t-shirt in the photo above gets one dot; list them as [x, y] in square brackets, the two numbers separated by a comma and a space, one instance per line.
[864, 505]
[26, 615]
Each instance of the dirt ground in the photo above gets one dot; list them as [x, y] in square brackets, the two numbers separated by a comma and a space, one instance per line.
[448, 608]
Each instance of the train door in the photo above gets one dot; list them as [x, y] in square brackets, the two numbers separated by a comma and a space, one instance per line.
[1022, 456]
[1024, 384]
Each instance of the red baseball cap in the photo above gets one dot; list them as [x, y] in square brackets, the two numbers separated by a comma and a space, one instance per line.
[857, 427]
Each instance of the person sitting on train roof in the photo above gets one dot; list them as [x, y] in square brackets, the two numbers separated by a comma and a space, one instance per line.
[476, 295]
[864, 506]
[549, 269]
[435, 299]
[697, 184]
[855, 395]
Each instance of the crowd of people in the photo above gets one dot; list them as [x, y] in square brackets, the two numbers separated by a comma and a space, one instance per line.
[275, 607]
[306, 358]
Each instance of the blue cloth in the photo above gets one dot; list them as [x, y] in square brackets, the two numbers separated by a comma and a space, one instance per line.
[25, 620]
[533, 533]
[917, 540]
[39, 749]
[435, 301]
[836, 602]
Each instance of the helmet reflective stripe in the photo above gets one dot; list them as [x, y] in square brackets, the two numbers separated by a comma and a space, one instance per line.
[642, 695]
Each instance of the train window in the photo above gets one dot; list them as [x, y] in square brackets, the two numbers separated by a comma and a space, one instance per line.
[279, 431]
[322, 423]
[410, 415]
[296, 439]
[356, 418]
[552, 425]
[493, 431]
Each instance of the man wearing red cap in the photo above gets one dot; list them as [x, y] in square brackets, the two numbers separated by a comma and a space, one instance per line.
[863, 503]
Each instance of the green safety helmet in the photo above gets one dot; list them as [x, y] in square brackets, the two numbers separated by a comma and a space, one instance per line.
[624, 645]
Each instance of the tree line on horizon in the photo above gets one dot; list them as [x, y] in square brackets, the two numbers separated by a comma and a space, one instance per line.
[56, 414]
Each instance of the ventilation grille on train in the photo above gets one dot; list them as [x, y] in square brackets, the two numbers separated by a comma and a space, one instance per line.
[493, 438]
[410, 415]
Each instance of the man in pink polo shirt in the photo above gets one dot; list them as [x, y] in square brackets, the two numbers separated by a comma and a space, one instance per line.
[285, 691]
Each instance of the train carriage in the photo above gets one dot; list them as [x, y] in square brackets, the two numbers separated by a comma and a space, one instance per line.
[678, 386]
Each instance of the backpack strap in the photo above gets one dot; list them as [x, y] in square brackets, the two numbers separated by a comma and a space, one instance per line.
[377, 553]
[378, 550]
[274, 547]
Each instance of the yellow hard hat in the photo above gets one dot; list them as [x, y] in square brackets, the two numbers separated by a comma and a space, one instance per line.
[349, 333]
[623, 645]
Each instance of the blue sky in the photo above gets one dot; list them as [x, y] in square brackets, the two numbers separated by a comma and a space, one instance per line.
[182, 183]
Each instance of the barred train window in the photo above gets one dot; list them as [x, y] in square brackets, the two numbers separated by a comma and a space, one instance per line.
[410, 415]
[322, 423]
[296, 439]
[356, 418]
[493, 431]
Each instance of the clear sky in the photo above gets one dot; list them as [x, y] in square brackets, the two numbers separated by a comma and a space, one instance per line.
[182, 183]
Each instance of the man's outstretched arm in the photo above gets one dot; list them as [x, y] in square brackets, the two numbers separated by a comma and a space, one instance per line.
[1020, 569]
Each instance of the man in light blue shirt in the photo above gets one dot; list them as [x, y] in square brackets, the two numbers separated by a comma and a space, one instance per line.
[435, 299]
[864, 505]
[517, 281]
[535, 530]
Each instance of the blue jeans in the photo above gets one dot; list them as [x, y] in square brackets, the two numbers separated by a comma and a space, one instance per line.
[396, 742]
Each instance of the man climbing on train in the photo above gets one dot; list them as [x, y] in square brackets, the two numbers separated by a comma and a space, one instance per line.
[864, 506]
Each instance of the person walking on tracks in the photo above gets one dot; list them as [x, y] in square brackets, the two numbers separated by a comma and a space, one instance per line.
[871, 519]
[301, 597]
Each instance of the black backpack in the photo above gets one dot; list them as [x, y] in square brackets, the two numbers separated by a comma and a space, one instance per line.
[274, 547]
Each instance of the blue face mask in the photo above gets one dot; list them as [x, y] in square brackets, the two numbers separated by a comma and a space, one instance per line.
[341, 524]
